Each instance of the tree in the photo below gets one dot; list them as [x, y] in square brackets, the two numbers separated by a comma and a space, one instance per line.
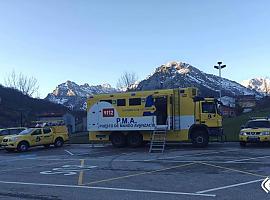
[27, 85]
[266, 86]
[127, 80]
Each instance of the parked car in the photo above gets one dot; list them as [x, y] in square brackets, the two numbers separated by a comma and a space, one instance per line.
[255, 131]
[31, 137]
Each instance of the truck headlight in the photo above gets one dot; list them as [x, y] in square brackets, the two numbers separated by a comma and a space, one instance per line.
[13, 139]
[265, 133]
[243, 133]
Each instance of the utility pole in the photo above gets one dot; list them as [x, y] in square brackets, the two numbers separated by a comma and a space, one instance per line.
[219, 67]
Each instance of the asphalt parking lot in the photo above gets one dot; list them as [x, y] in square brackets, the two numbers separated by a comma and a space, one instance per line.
[221, 171]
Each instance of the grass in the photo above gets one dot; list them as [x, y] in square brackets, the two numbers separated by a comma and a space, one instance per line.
[232, 125]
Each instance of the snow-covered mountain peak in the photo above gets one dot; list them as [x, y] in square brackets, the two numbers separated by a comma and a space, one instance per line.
[180, 74]
[74, 96]
[174, 67]
[259, 84]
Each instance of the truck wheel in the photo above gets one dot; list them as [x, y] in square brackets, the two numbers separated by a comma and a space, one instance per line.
[135, 139]
[200, 139]
[23, 146]
[58, 142]
[243, 144]
[118, 139]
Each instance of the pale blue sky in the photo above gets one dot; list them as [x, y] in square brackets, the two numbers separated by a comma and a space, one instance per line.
[95, 41]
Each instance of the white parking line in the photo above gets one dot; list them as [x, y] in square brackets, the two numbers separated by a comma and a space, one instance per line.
[70, 153]
[195, 154]
[229, 186]
[108, 188]
[245, 159]
[33, 166]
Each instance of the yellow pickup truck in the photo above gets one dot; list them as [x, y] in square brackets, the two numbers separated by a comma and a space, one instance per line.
[256, 130]
[31, 137]
[10, 131]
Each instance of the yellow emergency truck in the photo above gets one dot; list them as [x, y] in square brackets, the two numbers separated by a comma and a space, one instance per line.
[256, 130]
[132, 118]
[38, 136]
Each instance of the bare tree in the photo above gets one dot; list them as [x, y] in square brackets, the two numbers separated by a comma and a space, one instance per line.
[266, 86]
[27, 85]
[126, 80]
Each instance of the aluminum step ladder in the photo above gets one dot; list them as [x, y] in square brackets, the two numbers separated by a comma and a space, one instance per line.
[158, 139]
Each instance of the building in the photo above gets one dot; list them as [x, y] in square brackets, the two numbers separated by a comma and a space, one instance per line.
[246, 101]
[75, 120]
[228, 111]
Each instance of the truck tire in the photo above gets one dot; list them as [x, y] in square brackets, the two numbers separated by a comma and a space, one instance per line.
[243, 144]
[135, 139]
[118, 139]
[23, 146]
[200, 138]
[58, 142]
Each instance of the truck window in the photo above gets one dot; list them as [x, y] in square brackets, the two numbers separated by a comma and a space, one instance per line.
[135, 101]
[208, 107]
[46, 130]
[258, 124]
[108, 100]
[15, 131]
[121, 102]
[37, 132]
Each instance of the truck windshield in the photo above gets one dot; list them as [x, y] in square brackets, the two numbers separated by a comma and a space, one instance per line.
[258, 124]
[25, 132]
[208, 107]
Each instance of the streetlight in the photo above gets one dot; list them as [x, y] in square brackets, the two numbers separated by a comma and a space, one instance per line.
[219, 67]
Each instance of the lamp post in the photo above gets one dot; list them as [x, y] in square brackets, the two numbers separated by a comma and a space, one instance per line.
[219, 67]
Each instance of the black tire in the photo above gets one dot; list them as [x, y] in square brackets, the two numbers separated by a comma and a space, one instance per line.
[46, 146]
[243, 144]
[22, 147]
[118, 139]
[58, 142]
[135, 139]
[200, 138]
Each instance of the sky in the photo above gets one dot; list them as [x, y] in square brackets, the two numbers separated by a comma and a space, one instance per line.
[96, 41]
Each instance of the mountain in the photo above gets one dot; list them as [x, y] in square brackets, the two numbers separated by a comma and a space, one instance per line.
[261, 85]
[179, 74]
[170, 75]
[15, 106]
[74, 96]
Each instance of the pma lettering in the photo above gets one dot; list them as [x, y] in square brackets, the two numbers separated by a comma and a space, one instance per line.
[125, 120]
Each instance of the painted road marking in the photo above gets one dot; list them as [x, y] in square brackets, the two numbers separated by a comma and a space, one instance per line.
[138, 174]
[70, 153]
[68, 170]
[235, 170]
[80, 180]
[28, 167]
[108, 188]
[229, 186]
[245, 159]
[160, 161]
[195, 154]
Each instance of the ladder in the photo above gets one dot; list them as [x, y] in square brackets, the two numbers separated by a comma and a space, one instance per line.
[158, 139]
